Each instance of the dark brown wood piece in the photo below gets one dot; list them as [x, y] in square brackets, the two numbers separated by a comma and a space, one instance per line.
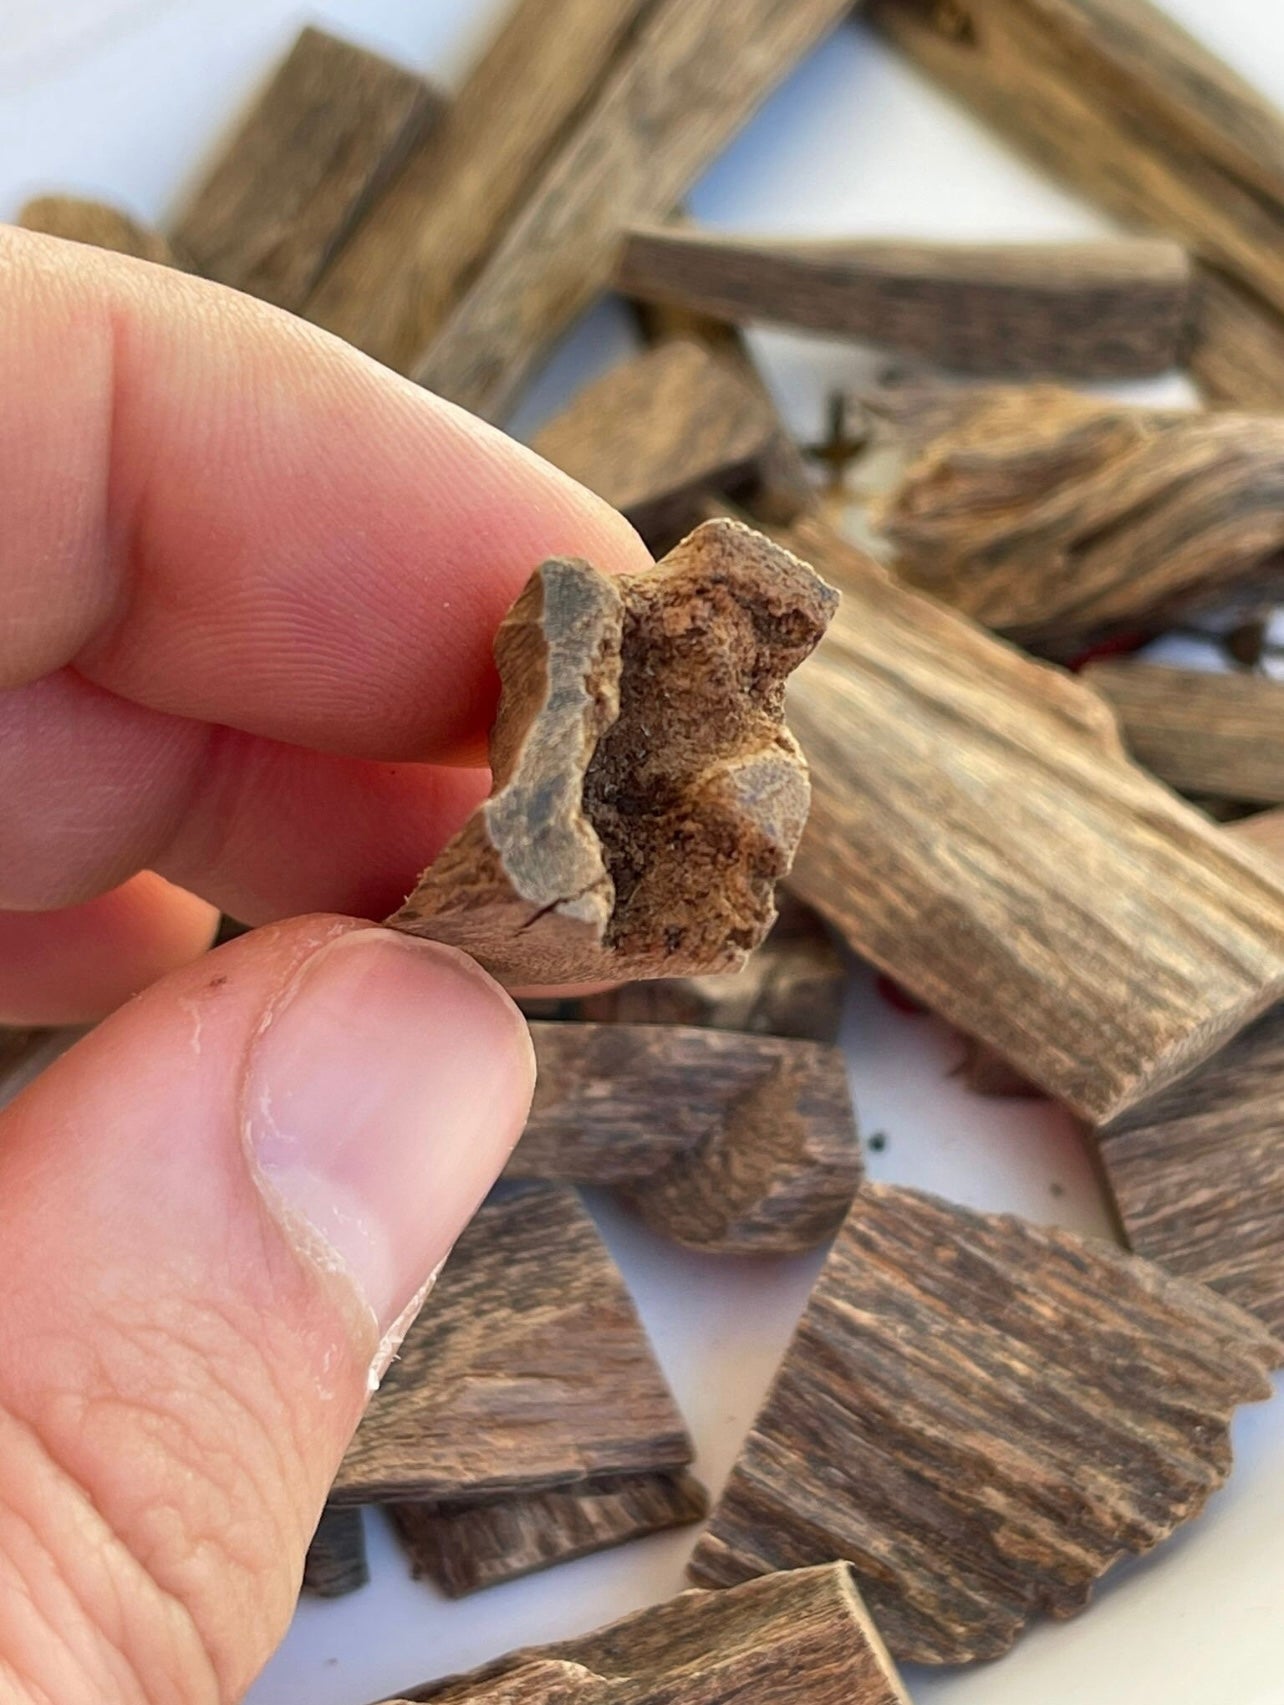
[1113, 308]
[979, 833]
[734, 1143]
[690, 77]
[329, 128]
[1052, 517]
[655, 430]
[773, 1641]
[1200, 731]
[80, 220]
[528, 1368]
[463, 1547]
[336, 1561]
[646, 795]
[983, 1416]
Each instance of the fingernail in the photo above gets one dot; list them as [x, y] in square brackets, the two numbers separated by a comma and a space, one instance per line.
[384, 1093]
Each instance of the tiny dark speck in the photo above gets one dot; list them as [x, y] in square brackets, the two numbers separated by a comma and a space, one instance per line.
[216, 982]
[1057, 1189]
[877, 1142]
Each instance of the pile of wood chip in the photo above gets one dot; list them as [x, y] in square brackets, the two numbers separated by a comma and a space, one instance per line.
[977, 1416]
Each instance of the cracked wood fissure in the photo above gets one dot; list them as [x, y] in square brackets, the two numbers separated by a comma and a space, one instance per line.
[606, 852]
[1099, 309]
[983, 1416]
[528, 1368]
[978, 832]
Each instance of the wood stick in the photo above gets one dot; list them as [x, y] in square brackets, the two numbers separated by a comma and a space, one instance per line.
[983, 1416]
[1099, 309]
[658, 429]
[463, 1547]
[79, 220]
[738, 1144]
[527, 1369]
[1052, 517]
[1124, 105]
[1236, 351]
[327, 131]
[979, 833]
[1198, 730]
[695, 72]
[646, 796]
[336, 1561]
[804, 1635]
[397, 278]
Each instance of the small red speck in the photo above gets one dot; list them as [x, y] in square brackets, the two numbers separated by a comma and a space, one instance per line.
[1122, 645]
[216, 982]
[898, 998]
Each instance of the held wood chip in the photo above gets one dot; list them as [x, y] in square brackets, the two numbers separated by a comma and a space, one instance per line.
[983, 1416]
[1201, 732]
[336, 1561]
[979, 833]
[658, 429]
[462, 1547]
[740, 1144]
[802, 1635]
[326, 132]
[1051, 517]
[1077, 309]
[79, 220]
[647, 796]
[527, 1369]
[691, 76]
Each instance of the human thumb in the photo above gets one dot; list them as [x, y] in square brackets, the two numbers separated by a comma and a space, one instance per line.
[216, 1209]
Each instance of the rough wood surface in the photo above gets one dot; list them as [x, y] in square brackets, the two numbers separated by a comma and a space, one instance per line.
[1198, 730]
[528, 1368]
[647, 796]
[657, 429]
[804, 1635]
[1197, 1172]
[462, 1547]
[331, 125]
[982, 1416]
[1236, 346]
[1112, 308]
[734, 1143]
[1120, 102]
[421, 243]
[690, 78]
[102, 226]
[979, 833]
[1052, 517]
[336, 1560]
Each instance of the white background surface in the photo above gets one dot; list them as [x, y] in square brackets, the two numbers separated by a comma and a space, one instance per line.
[127, 98]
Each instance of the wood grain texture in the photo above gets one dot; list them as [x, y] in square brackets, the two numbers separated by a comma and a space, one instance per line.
[692, 76]
[336, 1561]
[1118, 101]
[1104, 309]
[656, 430]
[1052, 517]
[1236, 345]
[983, 1416]
[979, 833]
[463, 1547]
[803, 1635]
[528, 1368]
[731, 1143]
[422, 242]
[608, 848]
[1200, 731]
[331, 125]
[80, 220]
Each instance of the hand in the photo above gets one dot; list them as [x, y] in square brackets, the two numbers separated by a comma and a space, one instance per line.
[248, 583]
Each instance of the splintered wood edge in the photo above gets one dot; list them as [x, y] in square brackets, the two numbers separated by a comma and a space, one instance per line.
[566, 874]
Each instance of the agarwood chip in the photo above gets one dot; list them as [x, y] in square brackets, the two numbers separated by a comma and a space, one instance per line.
[982, 1416]
[528, 1368]
[336, 1561]
[647, 796]
[465, 1546]
[80, 220]
[740, 1144]
[799, 1636]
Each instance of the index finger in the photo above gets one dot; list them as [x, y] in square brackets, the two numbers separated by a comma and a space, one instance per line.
[225, 514]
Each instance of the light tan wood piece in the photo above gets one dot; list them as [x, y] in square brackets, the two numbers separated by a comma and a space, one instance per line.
[80, 220]
[1236, 350]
